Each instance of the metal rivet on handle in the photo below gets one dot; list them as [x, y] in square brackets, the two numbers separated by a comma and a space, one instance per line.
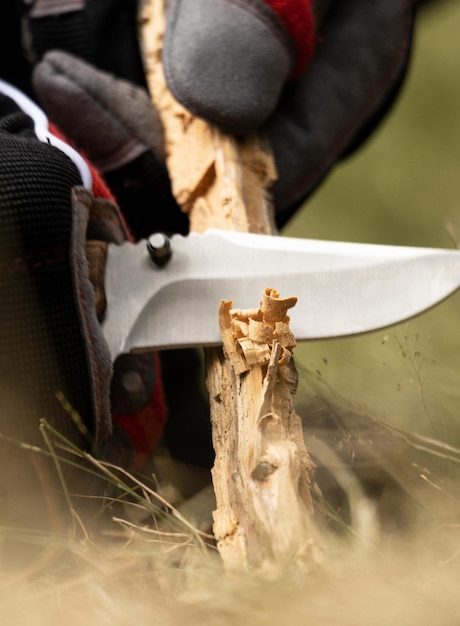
[133, 385]
[159, 249]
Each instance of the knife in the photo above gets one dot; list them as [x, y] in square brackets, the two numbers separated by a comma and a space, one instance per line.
[342, 288]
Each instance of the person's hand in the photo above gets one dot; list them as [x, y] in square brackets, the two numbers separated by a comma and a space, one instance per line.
[317, 75]
[55, 211]
[114, 122]
[49, 335]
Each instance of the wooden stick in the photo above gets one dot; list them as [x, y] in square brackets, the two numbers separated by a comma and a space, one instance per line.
[264, 515]
[261, 475]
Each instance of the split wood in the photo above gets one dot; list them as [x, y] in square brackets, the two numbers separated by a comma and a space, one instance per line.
[264, 518]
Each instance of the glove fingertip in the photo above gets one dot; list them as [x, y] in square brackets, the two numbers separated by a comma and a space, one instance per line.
[112, 120]
[227, 62]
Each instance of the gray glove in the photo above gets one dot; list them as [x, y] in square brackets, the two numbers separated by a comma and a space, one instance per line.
[229, 62]
[114, 123]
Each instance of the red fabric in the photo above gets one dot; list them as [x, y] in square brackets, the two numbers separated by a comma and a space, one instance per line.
[99, 188]
[297, 17]
[145, 427]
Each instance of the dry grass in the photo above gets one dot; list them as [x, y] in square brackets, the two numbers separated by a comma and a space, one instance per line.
[137, 579]
[391, 555]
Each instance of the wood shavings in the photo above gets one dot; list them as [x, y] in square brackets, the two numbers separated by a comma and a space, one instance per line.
[249, 333]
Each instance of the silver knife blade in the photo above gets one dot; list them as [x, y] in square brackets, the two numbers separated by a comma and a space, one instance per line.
[342, 288]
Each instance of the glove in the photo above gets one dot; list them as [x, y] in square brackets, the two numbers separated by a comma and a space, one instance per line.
[44, 210]
[316, 75]
[114, 123]
[228, 61]
[50, 338]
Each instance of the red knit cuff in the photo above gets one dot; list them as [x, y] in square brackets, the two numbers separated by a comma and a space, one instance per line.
[297, 17]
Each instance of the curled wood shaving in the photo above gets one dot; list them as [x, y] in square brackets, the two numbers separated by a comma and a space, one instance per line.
[273, 307]
[249, 334]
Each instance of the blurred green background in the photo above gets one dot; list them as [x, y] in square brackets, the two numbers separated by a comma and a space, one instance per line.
[402, 187]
